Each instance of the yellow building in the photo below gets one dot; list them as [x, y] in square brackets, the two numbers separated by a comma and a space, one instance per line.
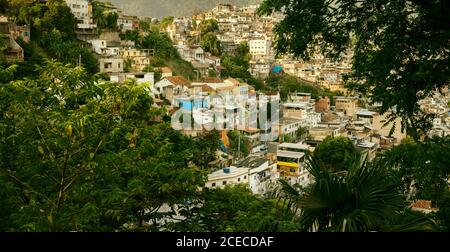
[290, 162]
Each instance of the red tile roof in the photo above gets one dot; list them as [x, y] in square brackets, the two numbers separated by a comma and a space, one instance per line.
[179, 80]
[424, 204]
[210, 80]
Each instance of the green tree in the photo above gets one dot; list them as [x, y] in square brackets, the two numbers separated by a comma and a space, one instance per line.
[81, 156]
[232, 209]
[166, 21]
[302, 133]
[112, 20]
[207, 26]
[243, 49]
[235, 67]
[212, 73]
[239, 144]
[211, 44]
[68, 51]
[98, 14]
[335, 153]
[204, 148]
[363, 198]
[7, 73]
[44, 18]
[424, 168]
[399, 46]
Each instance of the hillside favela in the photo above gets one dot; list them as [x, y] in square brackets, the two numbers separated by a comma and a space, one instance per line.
[224, 116]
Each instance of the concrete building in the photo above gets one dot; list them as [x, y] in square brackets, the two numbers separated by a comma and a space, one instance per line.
[260, 68]
[170, 86]
[291, 162]
[323, 104]
[347, 105]
[139, 58]
[111, 65]
[288, 127]
[82, 10]
[126, 22]
[227, 176]
[259, 174]
[165, 71]
[260, 47]
[303, 111]
[319, 133]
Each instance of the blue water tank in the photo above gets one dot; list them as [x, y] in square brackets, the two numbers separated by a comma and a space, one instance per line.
[226, 170]
[277, 69]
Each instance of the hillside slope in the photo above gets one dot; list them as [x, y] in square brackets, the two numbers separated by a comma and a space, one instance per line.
[161, 8]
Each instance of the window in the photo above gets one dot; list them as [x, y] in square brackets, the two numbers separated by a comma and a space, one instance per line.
[245, 177]
[239, 179]
[224, 182]
[213, 184]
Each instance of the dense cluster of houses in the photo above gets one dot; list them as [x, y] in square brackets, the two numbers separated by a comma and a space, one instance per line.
[280, 142]
[242, 24]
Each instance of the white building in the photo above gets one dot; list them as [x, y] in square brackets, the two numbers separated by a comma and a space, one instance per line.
[255, 172]
[125, 23]
[82, 10]
[227, 176]
[259, 174]
[260, 68]
[100, 47]
[260, 47]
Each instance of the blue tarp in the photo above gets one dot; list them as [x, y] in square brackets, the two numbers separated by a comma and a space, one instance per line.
[277, 69]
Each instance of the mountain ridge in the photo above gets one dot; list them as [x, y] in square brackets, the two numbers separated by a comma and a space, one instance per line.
[176, 8]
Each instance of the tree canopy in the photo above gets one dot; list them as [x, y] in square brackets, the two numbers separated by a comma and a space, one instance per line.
[335, 153]
[211, 44]
[77, 155]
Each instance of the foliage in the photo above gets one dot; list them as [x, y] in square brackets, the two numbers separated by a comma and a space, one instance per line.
[204, 148]
[210, 43]
[166, 21]
[239, 144]
[102, 18]
[335, 153]
[363, 198]
[132, 35]
[243, 49]
[81, 156]
[399, 46]
[161, 43]
[3, 42]
[235, 67]
[233, 209]
[165, 53]
[286, 84]
[44, 18]
[208, 26]
[423, 166]
[212, 73]
[68, 51]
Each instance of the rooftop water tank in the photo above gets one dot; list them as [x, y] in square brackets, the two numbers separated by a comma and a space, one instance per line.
[226, 170]
[277, 69]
